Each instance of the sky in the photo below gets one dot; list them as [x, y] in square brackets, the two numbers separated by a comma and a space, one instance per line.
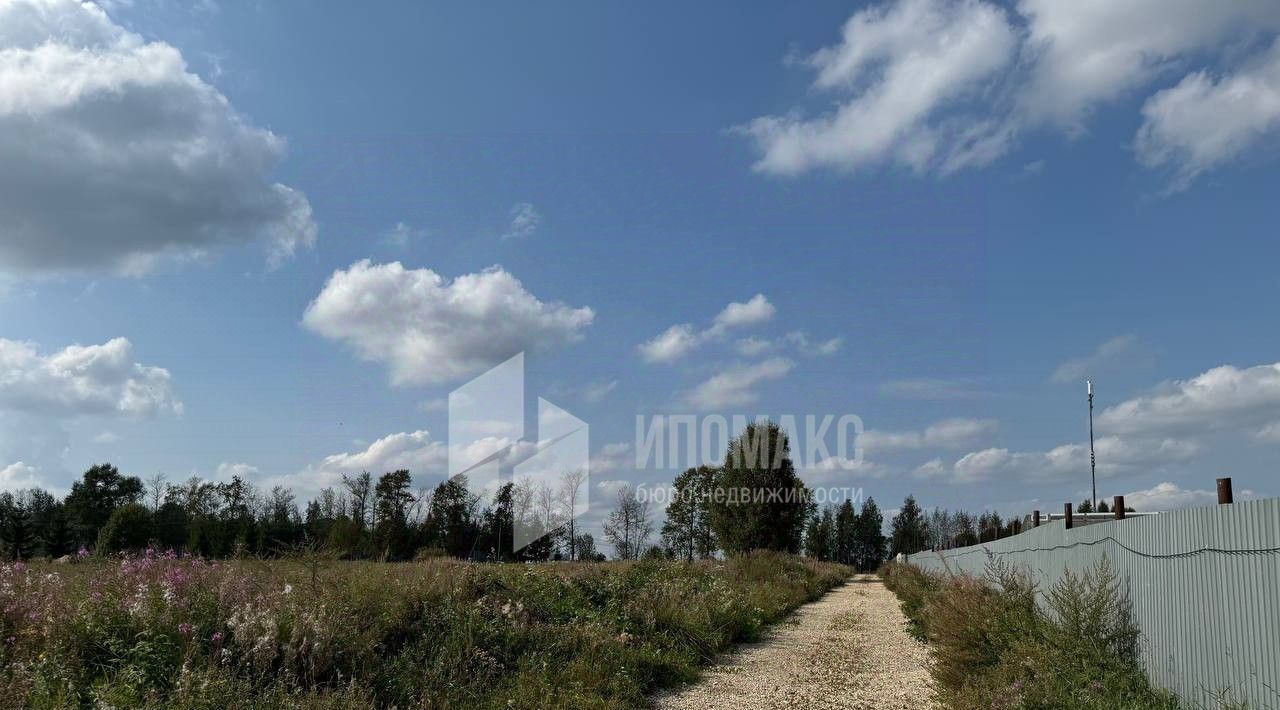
[268, 239]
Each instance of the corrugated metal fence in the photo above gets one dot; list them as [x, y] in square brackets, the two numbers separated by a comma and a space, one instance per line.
[1205, 586]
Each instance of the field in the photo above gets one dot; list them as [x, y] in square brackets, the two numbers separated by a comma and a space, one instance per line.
[159, 631]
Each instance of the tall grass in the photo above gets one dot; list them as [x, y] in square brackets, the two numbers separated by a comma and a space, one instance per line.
[993, 647]
[161, 632]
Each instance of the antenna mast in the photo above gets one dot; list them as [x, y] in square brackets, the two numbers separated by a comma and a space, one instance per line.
[1093, 461]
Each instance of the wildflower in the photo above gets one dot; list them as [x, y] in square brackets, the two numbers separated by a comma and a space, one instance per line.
[184, 628]
[216, 637]
[82, 552]
[288, 588]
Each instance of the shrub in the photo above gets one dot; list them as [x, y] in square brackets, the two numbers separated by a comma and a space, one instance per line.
[993, 646]
[128, 528]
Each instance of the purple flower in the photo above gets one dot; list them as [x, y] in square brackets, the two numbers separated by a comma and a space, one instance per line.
[184, 628]
[216, 637]
[82, 552]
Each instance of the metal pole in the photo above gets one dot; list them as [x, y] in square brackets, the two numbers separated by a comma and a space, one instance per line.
[1117, 505]
[1224, 491]
[1093, 461]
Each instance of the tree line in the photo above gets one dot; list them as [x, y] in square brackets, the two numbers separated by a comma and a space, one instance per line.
[767, 507]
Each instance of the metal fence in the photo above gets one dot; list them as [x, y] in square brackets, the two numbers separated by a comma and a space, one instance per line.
[1204, 582]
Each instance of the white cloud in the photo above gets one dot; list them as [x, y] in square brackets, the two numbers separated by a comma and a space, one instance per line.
[1168, 496]
[1202, 123]
[835, 469]
[940, 85]
[525, 220]
[227, 470]
[735, 386]
[801, 341]
[897, 67]
[428, 330]
[93, 379]
[1106, 357]
[597, 391]
[1091, 52]
[612, 457]
[679, 340]
[736, 315]
[156, 162]
[414, 451]
[946, 434]
[1115, 457]
[1225, 397]
[19, 476]
[671, 345]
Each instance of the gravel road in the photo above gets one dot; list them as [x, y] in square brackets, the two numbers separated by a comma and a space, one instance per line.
[849, 649]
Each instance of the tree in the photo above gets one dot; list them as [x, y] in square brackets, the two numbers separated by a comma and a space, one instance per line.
[359, 488]
[16, 526]
[499, 524]
[628, 526]
[453, 512]
[128, 528]
[93, 498]
[570, 492]
[759, 502]
[587, 549]
[868, 537]
[687, 529]
[907, 529]
[818, 536]
[843, 537]
[391, 515]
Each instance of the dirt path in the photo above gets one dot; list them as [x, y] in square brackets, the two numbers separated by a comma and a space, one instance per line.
[849, 649]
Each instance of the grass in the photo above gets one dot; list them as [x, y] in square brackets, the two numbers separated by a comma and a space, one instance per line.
[994, 648]
[159, 633]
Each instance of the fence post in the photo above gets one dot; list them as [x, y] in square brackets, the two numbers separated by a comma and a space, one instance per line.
[1117, 505]
[1224, 491]
[1066, 514]
[1035, 519]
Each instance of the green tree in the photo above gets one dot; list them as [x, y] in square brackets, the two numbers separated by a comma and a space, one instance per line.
[93, 498]
[907, 529]
[687, 529]
[845, 531]
[392, 498]
[453, 517]
[128, 528]
[868, 546]
[759, 502]
[818, 536]
[16, 531]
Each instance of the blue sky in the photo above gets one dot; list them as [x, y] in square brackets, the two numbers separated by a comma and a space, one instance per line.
[964, 207]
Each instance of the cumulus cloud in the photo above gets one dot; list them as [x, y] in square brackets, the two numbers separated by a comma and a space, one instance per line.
[1106, 357]
[897, 67]
[156, 162]
[1224, 397]
[19, 476]
[1202, 123]
[415, 451]
[946, 434]
[941, 85]
[612, 457]
[1168, 496]
[1116, 457]
[429, 330]
[525, 220]
[735, 386]
[679, 340]
[92, 379]
[227, 470]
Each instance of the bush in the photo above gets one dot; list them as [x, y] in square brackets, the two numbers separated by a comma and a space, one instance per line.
[128, 528]
[993, 646]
